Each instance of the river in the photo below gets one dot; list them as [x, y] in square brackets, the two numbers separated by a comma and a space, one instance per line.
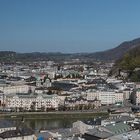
[53, 120]
[50, 124]
[37, 124]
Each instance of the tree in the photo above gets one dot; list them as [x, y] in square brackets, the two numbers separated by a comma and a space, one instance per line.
[33, 106]
[21, 109]
[89, 106]
[42, 108]
[80, 107]
[76, 107]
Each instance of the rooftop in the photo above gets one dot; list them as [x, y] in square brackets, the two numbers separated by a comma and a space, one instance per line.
[16, 133]
[132, 135]
[99, 133]
[118, 128]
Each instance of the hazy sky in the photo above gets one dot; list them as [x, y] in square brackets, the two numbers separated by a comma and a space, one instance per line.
[67, 25]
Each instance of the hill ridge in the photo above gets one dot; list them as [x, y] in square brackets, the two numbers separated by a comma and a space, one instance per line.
[112, 54]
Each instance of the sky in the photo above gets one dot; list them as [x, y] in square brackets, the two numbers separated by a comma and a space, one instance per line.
[67, 26]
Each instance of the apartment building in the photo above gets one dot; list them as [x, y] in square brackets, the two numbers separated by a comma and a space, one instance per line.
[106, 97]
[31, 101]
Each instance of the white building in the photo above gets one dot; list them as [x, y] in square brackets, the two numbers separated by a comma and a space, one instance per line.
[106, 97]
[32, 100]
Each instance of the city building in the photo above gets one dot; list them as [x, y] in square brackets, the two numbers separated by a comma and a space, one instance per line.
[106, 97]
[32, 101]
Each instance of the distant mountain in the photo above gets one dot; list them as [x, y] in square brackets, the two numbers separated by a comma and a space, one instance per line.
[12, 57]
[108, 55]
[117, 52]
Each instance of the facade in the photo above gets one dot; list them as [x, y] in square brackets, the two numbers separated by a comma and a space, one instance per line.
[92, 95]
[110, 97]
[75, 102]
[81, 103]
[106, 97]
[32, 101]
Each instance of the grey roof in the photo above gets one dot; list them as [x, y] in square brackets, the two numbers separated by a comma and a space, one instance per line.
[134, 135]
[118, 128]
[27, 95]
[63, 86]
[109, 130]
[15, 133]
[99, 133]
[23, 95]
[30, 95]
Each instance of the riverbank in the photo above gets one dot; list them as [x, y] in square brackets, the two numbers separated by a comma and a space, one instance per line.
[52, 115]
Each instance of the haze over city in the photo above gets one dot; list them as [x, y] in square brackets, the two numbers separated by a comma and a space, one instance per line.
[67, 26]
